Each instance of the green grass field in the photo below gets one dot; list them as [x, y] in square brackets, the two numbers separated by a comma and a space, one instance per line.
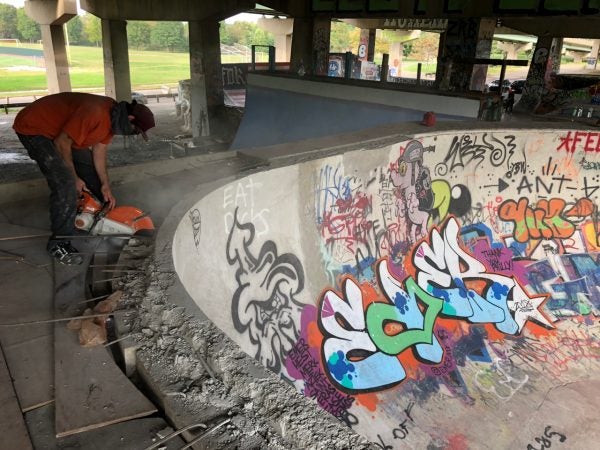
[149, 69]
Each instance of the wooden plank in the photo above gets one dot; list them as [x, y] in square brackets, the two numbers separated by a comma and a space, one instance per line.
[90, 390]
[132, 435]
[14, 433]
[31, 364]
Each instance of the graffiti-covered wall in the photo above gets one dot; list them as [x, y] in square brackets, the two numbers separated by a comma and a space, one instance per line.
[440, 292]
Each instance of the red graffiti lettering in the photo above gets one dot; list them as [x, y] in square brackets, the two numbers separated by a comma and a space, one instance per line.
[591, 143]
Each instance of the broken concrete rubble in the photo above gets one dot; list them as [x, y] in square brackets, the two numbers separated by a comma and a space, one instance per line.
[198, 374]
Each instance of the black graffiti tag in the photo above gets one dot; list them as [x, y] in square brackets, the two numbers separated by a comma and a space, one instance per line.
[466, 151]
[264, 304]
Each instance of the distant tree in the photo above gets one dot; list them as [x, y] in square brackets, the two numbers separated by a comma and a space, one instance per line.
[425, 48]
[168, 35]
[8, 22]
[341, 37]
[75, 31]
[92, 29]
[28, 29]
[258, 36]
[138, 34]
[225, 34]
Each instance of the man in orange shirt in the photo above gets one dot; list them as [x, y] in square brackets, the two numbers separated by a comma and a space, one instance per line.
[55, 129]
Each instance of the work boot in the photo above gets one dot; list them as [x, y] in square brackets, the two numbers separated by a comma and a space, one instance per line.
[64, 252]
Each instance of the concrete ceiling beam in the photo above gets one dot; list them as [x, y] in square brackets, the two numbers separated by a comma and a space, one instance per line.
[276, 26]
[573, 27]
[51, 12]
[160, 10]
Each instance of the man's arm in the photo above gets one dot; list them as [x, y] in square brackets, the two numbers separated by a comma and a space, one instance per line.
[63, 145]
[99, 155]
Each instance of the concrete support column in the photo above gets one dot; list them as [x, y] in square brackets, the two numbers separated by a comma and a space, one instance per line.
[55, 56]
[282, 30]
[371, 50]
[512, 49]
[396, 55]
[464, 39]
[310, 45]
[321, 34]
[206, 94]
[52, 15]
[593, 56]
[283, 47]
[545, 62]
[301, 55]
[366, 46]
[117, 80]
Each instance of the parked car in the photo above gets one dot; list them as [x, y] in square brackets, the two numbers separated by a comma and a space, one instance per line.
[518, 86]
[495, 86]
[139, 97]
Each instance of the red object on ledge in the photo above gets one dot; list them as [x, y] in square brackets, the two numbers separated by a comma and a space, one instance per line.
[429, 119]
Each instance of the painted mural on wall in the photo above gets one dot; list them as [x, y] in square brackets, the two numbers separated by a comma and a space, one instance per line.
[461, 283]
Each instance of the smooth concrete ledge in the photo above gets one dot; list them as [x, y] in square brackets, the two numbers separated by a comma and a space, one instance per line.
[450, 105]
[294, 152]
[28, 189]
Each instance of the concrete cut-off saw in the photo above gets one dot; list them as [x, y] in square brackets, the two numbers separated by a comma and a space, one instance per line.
[96, 219]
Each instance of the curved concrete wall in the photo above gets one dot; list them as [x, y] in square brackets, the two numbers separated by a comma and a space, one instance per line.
[439, 292]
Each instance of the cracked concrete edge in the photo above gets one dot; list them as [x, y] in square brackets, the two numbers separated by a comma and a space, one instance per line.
[34, 188]
[301, 423]
[260, 396]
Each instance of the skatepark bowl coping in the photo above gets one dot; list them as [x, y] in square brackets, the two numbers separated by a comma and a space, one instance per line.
[440, 289]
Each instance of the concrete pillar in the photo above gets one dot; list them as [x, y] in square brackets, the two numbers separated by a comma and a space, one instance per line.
[545, 62]
[302, 37]
[396, 55]
[577, 56]
[366, 45]
[117, 80]
[372, 39]
[512, 49]
[206, 79]
[51, 15]
[282, 31]
[283, 47]
[321, 34]
[593, 56]
[464, 39]
[363, 45]
[55, 56]
[310, 45]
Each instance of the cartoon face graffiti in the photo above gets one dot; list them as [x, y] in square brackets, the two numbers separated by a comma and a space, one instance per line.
[414, 188]
[264, 303]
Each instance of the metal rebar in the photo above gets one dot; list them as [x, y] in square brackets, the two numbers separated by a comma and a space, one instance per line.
[100, 297]
[107, 280]
[64, 319]
[31, 236]
[203, 435]
[117, 340]
[172, 435]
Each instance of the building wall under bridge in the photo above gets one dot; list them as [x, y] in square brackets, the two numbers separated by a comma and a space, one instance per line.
[438, 292]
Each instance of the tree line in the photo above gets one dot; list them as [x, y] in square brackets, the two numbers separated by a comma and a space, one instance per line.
[142, 35]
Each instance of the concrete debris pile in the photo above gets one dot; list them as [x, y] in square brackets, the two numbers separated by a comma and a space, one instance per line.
[92, 330]
[197, 374]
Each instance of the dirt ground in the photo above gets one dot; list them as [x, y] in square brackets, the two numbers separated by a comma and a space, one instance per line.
[166, 141]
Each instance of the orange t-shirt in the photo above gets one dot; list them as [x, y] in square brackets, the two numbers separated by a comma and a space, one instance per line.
[85, 118]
